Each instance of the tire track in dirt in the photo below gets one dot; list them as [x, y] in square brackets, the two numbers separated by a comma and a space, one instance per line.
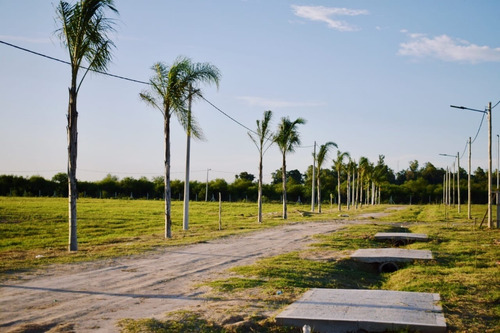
[92, 297]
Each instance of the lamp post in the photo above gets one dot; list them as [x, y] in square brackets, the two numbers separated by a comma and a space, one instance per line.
[488, 112]
[457, 156]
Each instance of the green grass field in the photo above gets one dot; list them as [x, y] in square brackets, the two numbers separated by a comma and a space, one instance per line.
[31, 227]
[465, 272]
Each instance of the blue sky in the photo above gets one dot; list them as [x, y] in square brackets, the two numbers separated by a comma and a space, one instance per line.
[376, 77]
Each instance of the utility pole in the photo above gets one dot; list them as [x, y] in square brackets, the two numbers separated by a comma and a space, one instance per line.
[490, 218]
[469, 216]
[313, 178]
[498, 161]
[458, 181]
[458, 177]
[206, 190]
[488, 112]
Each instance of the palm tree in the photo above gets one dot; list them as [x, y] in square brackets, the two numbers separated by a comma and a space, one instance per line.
[84, 35]
[322, 154]
[263, 141]
[339, 166]
[196, 73]
[363, 168]
[169, 91]
[287, 138]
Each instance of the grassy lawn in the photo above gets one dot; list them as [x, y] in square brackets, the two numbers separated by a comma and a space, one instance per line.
[34, 231]
[465, 271]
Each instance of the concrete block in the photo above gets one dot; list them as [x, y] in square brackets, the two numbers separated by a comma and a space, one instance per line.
[344, 310]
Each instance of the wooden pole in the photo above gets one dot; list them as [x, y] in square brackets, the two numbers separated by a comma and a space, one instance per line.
[468, 185]
[458, 180]
[220, 211]
[490, 220]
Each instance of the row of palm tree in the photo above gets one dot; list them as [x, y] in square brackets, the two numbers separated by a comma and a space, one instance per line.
[172, 89]
[287, 138]
[363, 178]
[84, 33]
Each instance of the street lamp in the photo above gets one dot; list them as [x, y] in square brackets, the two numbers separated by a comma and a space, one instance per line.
[457, 156]
[488, 112]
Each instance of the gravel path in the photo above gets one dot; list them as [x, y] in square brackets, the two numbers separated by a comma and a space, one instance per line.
[92, 297]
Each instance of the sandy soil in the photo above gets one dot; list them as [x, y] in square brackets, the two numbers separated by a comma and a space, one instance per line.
[92, 297]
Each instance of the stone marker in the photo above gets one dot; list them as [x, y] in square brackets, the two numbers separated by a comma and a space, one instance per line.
[343, 310]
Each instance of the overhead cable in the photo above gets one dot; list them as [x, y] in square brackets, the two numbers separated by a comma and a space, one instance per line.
[117, 77]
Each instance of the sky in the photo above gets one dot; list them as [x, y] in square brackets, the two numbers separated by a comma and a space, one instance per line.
[375, 77]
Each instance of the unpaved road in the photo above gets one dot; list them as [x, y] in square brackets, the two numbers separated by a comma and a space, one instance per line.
[92, 297]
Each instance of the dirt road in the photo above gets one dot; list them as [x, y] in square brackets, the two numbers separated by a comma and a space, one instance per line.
[93, 296]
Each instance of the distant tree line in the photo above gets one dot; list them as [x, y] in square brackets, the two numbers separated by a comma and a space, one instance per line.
[418, 185]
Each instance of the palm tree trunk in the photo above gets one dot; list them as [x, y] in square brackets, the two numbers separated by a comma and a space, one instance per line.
[167, 192]
[338, 191]
[72, 132]
[259, 199]
[361, 188]
[319, 191]
[354, 188]
[284, 187]
[348, 196]
[373, 193]
[185, 221]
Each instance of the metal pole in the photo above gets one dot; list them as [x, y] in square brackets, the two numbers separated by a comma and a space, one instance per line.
[313, 178]
[206, 190]
[468, 186]
[458, 180]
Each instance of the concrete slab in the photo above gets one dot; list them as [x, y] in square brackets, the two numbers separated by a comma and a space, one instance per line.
[401, 236]
[390, 255]
[343, 310]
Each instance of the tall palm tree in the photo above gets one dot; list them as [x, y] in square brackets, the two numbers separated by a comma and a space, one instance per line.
[196, 73]
[169, 92]
[262, 140]
[287, 138]
[363, 168]
[320, 158]
[339, 166]
[84, 33]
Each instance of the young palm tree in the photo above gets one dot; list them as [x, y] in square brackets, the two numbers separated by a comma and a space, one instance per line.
[196, 73]
[339, 166]
[169, 92]
[263, 141]
[84, 34]
[287, 138]
[322, 155]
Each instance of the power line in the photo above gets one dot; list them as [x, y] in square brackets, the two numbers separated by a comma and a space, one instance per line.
[479, 129]
[495, 105]
[117, 77]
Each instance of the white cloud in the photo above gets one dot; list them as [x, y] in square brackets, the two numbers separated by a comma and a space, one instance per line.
[324, 14]
[276, 103]
[447, 48]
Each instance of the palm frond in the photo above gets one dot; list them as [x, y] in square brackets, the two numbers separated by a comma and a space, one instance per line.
[84, 33]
